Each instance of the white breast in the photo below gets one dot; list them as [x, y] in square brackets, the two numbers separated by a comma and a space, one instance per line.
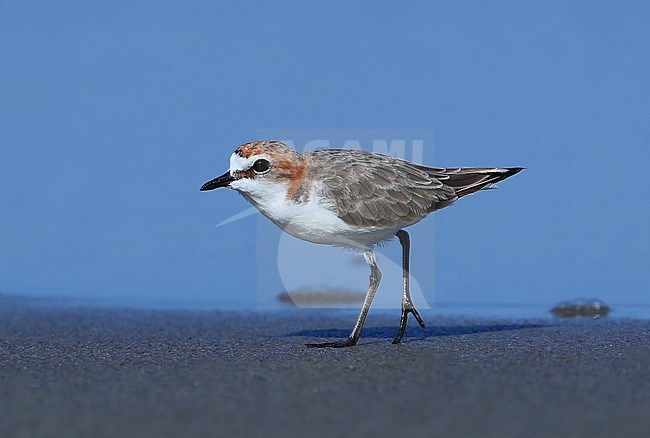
[313, 221]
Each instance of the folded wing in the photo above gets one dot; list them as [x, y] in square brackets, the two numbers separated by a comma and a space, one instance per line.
[372, 190]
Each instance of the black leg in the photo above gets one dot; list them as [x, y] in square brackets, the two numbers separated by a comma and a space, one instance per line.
[407, 303]
[375, 278]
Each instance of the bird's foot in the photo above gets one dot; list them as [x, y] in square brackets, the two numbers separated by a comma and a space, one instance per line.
[404, 320]
[349, 342]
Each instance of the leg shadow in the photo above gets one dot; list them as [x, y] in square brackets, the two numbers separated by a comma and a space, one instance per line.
[415, 333]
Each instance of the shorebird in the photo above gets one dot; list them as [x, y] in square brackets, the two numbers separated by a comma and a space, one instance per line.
[349, 198]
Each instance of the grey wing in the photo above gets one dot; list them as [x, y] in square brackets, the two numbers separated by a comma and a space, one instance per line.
[377, 190]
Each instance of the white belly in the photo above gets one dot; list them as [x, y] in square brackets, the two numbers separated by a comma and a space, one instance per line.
[313, 221]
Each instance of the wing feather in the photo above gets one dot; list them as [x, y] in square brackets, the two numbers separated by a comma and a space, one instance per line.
[375, 190]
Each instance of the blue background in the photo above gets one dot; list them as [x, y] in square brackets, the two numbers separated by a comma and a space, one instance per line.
[112, 114]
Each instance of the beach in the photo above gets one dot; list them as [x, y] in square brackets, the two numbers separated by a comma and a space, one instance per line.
[71, 371]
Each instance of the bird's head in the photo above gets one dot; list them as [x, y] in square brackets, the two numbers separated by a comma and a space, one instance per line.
[258, 166]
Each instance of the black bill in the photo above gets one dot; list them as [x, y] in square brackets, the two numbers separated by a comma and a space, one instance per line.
[220, 181]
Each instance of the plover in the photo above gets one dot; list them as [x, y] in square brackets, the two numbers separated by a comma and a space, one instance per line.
[349, 198]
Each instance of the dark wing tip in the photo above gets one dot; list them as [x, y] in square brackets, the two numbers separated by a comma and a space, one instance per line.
[514, 170]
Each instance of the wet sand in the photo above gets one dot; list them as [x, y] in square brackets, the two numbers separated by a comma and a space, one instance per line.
[78, 371]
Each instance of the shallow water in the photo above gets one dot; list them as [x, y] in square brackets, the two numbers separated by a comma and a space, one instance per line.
[487, 310]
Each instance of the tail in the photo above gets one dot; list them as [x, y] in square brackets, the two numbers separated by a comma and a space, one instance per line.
[469, 180]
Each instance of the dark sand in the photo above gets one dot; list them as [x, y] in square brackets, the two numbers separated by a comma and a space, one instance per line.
[74, 371]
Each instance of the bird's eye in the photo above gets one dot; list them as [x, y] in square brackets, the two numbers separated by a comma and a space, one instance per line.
[261, 166]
